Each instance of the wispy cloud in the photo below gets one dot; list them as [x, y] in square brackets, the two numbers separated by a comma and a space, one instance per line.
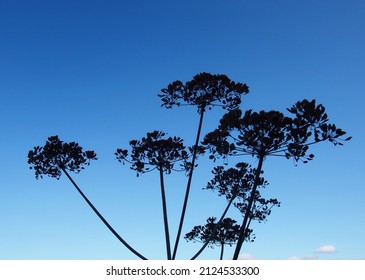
[294, 258]
[326, 249]
[303, 258]
[246, 257]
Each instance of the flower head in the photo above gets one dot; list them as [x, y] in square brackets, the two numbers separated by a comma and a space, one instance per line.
[235, 181]
[204, 91]
[226, 234]
[267, 133]
[57, 155]
[155, 152]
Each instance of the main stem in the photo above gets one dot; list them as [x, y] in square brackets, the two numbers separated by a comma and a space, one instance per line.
[102, 218]
[241, 236]
[214, 230]
[165, 220]
[222, 251]
[195, 151]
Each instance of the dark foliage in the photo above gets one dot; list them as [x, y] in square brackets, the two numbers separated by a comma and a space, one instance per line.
[204, 91]
[225, 234]
[237, 183]
[267, 133]
[56, 155]
[156, 152]
[261, 208]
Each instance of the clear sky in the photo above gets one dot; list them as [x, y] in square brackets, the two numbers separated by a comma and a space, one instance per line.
[90, 71]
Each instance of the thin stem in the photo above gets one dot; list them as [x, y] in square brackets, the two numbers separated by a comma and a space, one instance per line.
[248, 226]
[222, 251]
[188, 184]
[241, 236]
[214, 230]
[102, 218]
[165, 220]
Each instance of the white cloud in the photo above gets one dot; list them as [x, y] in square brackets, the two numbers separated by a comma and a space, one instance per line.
[310, 257]
[326, 249]
[323, 249]
[246, 257]
[303, 258]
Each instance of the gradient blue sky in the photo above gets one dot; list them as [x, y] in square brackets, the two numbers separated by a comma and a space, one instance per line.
[90, 71]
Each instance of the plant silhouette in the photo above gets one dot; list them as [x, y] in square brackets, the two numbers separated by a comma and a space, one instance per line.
[236, 184]
[56, 157]
[155, 152]
[204, 91]
[262, 134]
[239, 133]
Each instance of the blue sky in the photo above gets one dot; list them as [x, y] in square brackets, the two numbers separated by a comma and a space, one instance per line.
[90, 71]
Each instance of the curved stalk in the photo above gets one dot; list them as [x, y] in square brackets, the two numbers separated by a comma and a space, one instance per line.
[241, 236]
[188, 184]
[102, 218]
[165, 220]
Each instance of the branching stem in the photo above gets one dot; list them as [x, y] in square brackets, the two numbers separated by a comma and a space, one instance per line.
[241, 236]
[195, 151]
